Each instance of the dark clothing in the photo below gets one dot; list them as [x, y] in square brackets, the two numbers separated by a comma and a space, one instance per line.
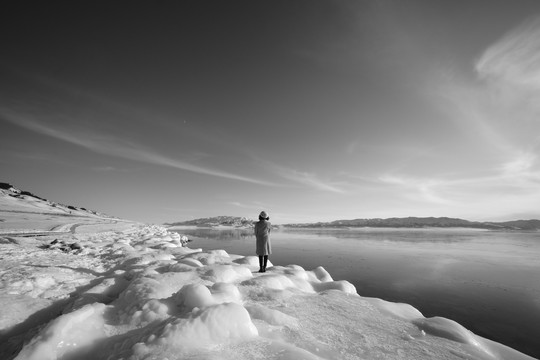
[262, 232]
[263, 261]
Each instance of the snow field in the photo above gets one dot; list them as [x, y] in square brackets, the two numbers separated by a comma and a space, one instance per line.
[142, 295]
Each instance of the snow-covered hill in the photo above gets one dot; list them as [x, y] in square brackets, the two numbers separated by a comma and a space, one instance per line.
[232, 221]
[13, 199]
[23, 212]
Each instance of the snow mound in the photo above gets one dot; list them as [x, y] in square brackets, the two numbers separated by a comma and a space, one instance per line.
[451, 330]
[198, 296]
[68, 333]
[213, 326]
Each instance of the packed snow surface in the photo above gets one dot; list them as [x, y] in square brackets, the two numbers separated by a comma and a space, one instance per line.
[137, 292]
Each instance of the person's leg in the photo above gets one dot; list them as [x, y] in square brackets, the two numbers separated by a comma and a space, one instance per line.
[261, 269]
[265, 262]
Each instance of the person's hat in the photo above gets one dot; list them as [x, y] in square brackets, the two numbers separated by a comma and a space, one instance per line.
[263, 214]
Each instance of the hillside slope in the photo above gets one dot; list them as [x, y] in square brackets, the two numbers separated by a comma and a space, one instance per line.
[16, 200]
[233, 221]
[24, 212]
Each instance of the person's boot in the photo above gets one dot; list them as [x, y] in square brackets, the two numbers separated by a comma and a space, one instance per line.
[265, 262]
[261, 269]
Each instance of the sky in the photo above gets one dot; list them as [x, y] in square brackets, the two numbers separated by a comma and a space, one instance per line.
[310, 110]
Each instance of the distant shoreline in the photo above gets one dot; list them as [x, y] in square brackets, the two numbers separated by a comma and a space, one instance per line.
[357, 228]
[230, 222]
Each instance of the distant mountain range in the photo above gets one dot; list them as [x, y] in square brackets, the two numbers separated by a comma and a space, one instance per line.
[425, 222]
[20, 201]
[408, 222]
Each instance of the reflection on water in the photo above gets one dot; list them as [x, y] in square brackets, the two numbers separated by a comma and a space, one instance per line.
[486, 280]
[392, 234]
[399, 235]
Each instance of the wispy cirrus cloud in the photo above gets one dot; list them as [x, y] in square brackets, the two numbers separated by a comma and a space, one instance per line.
[251, 205]
[513, 187]
[114, 146]
[510, 70]
[515, 58]
[420, 188]
[303, 178]
[521, 164]
[310, 180]
[499, 112]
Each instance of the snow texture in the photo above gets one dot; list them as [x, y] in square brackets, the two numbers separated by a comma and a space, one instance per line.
[132, 291]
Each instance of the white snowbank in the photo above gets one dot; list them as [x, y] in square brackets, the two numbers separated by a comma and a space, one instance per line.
[139, 294]
[68, 333]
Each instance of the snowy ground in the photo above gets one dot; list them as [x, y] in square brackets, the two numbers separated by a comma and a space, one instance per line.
[108, 289]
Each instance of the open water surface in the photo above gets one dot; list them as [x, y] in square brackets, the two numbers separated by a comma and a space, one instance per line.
[488, 281]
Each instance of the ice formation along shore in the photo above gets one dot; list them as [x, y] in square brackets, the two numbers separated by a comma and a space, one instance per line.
[140, 294]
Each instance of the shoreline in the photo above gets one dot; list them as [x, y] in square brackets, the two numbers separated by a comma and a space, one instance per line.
[130, 247]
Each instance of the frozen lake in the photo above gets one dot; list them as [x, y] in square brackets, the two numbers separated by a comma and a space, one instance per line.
[488, 281]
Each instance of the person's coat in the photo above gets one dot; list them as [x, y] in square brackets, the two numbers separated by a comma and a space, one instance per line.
[262, 232]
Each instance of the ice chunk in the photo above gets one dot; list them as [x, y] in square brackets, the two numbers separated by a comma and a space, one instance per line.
[138, 293]
[224, 292]
[296, 271]
[184, 250]
[227, 273]
[222, 253]
[403, 311]
[184, 240]
[445, 328]
[199, 296]
[342, 285]
[322, 275]
[153, 310]
[190, 262]
[449, 329]
[271, 281]
[248, 260]
[147, 258]
[194, 296]
[180, 268]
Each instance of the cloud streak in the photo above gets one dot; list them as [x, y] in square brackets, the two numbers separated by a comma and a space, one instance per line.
[515, 184]
[499, 111]
[108, 145]
[522, 164]
[252, 206]
[304, 178]
[425, 189]
[515, 58]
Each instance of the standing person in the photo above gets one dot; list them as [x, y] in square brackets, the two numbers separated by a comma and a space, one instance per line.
[262, 235]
